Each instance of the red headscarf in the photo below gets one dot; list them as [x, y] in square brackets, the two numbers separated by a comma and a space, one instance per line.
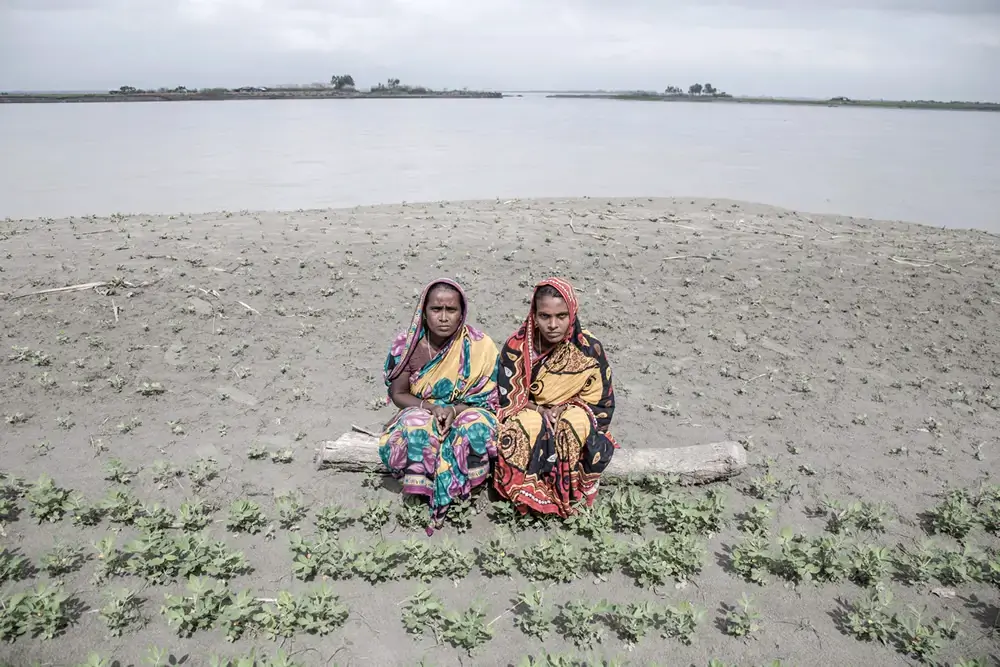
[522, 347]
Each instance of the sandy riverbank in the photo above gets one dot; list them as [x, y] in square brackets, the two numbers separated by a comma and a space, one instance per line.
[856, 359]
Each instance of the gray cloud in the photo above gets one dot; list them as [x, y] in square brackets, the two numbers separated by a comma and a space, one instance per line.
[882, 48]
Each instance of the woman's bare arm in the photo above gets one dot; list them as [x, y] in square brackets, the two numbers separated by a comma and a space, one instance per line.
[399, 392]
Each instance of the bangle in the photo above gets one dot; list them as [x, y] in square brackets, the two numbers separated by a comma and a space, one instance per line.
[454, 412]
[421, 404]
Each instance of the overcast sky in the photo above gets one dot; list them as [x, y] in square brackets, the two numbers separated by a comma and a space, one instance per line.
[940, 49]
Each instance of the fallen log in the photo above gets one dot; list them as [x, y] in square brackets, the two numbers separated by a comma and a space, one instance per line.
[694, 464]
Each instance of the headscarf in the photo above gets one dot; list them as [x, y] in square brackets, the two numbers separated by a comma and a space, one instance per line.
[398, 357]
[520, 348]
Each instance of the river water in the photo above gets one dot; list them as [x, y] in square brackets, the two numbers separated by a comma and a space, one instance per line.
[936, 167]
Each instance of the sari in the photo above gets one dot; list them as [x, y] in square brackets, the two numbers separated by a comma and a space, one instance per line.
[444, 467]
[541, 468]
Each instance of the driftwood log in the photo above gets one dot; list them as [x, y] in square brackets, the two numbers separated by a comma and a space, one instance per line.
[695, 464]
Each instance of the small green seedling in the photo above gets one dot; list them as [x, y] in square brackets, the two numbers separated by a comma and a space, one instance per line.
[744, 620]
[245, 516]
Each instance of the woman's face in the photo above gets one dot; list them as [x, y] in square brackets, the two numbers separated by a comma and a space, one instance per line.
[443, 312]
[552, 318]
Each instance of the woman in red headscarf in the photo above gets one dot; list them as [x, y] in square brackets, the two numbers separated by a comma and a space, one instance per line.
[556, 403]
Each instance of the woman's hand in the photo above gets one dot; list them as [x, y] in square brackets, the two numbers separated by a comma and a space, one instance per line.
[444, 415]
[551, 415]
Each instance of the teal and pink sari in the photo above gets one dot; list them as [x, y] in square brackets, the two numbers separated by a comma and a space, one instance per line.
[444, 467]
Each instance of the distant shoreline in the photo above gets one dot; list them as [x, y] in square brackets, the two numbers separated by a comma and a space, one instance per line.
[217, 95]
[787, 101]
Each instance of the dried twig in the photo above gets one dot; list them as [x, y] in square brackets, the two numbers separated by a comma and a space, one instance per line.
[250, 308]
[365, 431]
[114, 307]
[599, 237]
[704, 257]
[515, 606]
[68, 288]
[757, 377]
[828, 231]
[99, 231]
[919, 263]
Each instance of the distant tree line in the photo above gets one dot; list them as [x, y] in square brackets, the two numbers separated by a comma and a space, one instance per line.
[697, 89]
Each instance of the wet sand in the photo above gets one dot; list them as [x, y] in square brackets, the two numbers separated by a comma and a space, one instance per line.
[855, 359]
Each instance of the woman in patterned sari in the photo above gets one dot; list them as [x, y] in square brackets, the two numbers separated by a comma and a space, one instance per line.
[556, 402]
[441, 374]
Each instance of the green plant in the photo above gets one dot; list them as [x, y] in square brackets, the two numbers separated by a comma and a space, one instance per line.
[676, 512]
[460, 515]
[681, 622]
[48, 501]
[318, 612]
[202, 471]
[560, 660]
[82, 513]
[154, 517]
[257, 453]
[199, 610]
[591, 522]
[954, 516]
[859, 515]
[110, 561]
[869, 563]
[554, 559]
[159, 557]
[756, 519]
[631, 622]
[254, 659]
[868, 618]
[423, 612]
[579, 622]
[322, 555]
[120, 506]
[290, 510]
[505, 514]
[116, 471]
[987, 506]
[241, 616]
[751, 559]
[915, 638]
[603, 555]
[796, 561]
[630, 509]
[768, 487]
[465, 629]
[916, 566]
[333, 518]
[193, 515]
[426, 562]
[378, 563]
[163, 472]
[744, 620]
[122, 610]
[653, 562]
[530, 615]
[375, 516]
[13, 566]
[958, 567]
[63, 559]
[245, 517]
[496, 558]
[44, 612]
[411, 514]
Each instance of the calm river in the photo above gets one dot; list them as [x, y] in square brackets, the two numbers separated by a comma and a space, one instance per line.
[937, 167]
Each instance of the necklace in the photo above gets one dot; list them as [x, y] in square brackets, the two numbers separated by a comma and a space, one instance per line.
[431, 352]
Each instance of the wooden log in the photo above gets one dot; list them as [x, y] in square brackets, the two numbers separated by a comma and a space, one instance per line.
[694, 464]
